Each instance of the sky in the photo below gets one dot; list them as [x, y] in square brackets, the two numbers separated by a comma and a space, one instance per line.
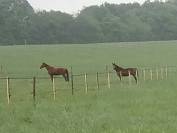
[72, 6]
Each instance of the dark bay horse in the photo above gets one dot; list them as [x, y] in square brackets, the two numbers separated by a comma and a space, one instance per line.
[56, 71]
[125, 71]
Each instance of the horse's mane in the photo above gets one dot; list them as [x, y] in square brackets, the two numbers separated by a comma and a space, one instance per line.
[47, 65]
[118, 67]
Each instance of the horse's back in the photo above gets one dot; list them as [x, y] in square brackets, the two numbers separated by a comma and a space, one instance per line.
[61, 70]
[57, 71]
[132, 71]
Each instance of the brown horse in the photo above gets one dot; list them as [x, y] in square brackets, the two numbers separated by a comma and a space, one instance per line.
[125, 71]
[56, 71]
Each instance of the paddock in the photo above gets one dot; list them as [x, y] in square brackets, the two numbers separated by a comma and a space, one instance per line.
[83, 82]
[98, 102]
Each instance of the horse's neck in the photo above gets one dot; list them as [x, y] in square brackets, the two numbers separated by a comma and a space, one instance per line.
[119, 68]
[48, 67]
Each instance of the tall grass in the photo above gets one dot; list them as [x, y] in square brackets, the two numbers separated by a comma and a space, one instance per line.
[147, 107]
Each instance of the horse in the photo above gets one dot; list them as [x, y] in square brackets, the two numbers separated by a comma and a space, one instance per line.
[56, 71]
[125, 71]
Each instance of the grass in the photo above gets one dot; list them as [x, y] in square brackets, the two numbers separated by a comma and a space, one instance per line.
[149, 107]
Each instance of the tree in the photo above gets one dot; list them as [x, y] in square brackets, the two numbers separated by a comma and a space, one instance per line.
[106, 23]
[13, 15]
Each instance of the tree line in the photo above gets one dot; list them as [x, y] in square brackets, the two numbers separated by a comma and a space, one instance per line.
[150, 21]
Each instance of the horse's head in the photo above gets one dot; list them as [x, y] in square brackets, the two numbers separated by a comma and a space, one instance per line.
[43, 65]
[114, 66]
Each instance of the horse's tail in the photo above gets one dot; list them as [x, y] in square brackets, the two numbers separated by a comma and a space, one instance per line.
[67, 75]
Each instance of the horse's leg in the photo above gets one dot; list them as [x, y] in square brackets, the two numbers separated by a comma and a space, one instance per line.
[135, 78]
[67, 75]
[51, 77]
[120, 77]
[64, 77]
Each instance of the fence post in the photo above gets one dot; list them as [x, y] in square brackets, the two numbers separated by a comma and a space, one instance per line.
[97, 81]
[109, 81]
[108, 77]
[151, 74]
[54, 90]
[72, 81]
[86, 84]
[34, 89]
[157, 73]
[8, 90]
[137, 76]
[161, 73]
[166, 72]
[129, 77]
[144, 74]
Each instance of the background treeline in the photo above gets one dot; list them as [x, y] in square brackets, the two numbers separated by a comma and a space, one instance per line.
[19, 23]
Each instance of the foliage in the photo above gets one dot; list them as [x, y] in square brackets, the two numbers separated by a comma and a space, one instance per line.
[19, 23]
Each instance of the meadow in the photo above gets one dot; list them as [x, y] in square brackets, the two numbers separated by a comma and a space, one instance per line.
[149, 107]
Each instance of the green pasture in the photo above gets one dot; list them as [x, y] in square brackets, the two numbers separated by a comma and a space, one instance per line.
[149, 107]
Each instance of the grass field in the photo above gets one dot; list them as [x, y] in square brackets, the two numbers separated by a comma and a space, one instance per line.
[149, 107]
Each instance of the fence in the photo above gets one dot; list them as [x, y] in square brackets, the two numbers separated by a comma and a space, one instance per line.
[146, 74]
